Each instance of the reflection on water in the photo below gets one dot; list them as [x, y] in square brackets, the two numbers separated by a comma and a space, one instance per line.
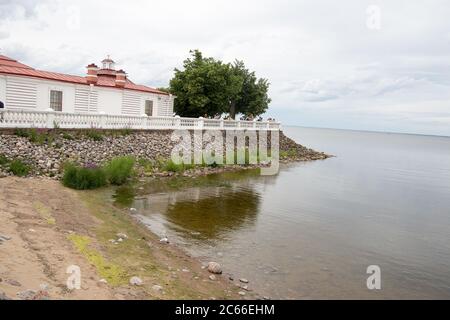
[312, 230]
[124, 196]
[213, 213]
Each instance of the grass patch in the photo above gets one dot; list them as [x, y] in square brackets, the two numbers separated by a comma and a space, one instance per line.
[116, 172]
[19, 168]
[171, 166]
[291, 153]
[24, 133]
[35, 136]
[114, 274]
[83, 178]
[119, 170]
[67, 136]
[44, 212]
[3, 160]
[95, 135]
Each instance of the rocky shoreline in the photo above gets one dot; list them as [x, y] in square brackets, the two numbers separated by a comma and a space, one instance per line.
[45, 152]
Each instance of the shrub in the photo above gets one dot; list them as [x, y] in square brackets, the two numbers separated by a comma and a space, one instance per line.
[67, 136]
[173, 167]
[3, 160]
[34, 135]
[18, 168]
[94, 135]
[147, 165]
[125, 132]
[82, 178]
[118, 170]
[21, 132]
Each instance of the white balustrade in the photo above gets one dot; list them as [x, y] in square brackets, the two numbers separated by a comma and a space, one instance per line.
[50, 119]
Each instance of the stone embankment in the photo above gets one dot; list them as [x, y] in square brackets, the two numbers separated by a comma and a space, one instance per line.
[45, 152]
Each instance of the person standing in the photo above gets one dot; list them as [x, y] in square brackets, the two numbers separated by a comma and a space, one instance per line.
[2, 106]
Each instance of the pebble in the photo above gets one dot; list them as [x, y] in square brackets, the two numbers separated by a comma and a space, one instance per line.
[214, 267]
[27, 294]
[241, 293]
[5, 238]
[121, 236]
[136, 281]
[157, 288]
[164, 240]
[212, 277]
[12, 282]
[243, 280]
[44, 286]
[102, 281]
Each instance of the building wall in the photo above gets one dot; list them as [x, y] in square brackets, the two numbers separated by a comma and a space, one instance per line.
[3, 89]
[109, 101]
[30, 93]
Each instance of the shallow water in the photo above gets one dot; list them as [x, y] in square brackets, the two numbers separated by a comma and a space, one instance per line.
[312, 230]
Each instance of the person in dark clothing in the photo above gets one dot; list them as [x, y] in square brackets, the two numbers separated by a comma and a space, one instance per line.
[1, 107]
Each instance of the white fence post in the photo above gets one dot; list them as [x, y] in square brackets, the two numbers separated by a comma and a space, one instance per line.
[200, 123]
[50, 118]
[144, 121]
[177, 122]
[102, 120]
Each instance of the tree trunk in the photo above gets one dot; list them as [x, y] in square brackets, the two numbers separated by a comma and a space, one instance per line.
[233, 110]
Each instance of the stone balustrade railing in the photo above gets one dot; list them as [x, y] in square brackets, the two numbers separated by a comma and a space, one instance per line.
[64, 120]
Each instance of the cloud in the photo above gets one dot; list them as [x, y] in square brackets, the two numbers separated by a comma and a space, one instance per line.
[17, 8]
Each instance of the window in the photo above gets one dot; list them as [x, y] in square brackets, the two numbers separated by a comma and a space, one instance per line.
[149, 108]
[56, 100]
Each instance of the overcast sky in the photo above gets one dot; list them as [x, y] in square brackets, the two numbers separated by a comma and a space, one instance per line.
[356, 64]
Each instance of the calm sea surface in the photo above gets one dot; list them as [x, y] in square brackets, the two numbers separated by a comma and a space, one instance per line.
[312, 230]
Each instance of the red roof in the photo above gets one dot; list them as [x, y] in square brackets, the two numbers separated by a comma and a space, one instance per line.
[11, 66]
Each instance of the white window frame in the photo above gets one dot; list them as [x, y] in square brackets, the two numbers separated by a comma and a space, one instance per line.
[50, 98]
[153, 107]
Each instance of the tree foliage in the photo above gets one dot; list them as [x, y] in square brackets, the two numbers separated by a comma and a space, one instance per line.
[253, 98]
[209, 87]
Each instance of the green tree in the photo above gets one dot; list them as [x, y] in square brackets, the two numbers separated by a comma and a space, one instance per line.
[253, 98]
[205, 87]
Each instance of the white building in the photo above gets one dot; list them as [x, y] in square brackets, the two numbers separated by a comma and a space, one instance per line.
[101, 91]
